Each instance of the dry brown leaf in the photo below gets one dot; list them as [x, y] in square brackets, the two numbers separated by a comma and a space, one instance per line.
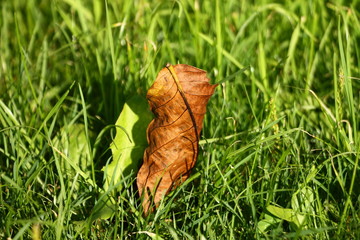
[178, 100]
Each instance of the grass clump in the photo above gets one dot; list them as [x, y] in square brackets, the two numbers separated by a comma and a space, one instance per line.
[280, 144]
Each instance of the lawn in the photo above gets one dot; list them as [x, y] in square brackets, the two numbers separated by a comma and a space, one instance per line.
[279, 150]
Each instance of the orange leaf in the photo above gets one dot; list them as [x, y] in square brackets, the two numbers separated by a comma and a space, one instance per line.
[178, 100]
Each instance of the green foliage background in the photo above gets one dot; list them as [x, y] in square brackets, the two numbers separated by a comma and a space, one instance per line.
[280, 145]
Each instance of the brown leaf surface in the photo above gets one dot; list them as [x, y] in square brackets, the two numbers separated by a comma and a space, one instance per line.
[178, 100]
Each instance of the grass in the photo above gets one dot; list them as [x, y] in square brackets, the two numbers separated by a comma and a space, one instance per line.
[280, 144]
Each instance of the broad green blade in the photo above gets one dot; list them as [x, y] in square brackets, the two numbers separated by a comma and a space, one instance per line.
[127, 150]
[287, 214]
[129, 143]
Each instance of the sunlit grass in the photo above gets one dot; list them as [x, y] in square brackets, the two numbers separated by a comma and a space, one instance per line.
[280, 144]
